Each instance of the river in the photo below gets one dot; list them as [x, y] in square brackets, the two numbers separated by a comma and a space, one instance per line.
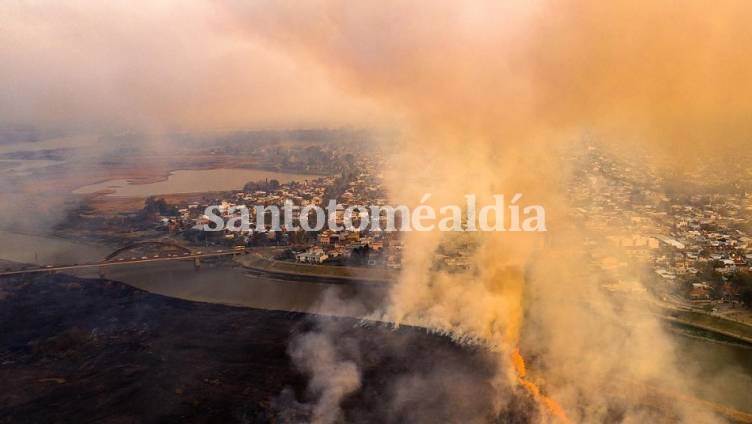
[725, 370]
[191, 181]
[226, 283]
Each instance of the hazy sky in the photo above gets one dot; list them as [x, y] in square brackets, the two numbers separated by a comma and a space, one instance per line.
[656, 69]
[157, 65]
[484, 90]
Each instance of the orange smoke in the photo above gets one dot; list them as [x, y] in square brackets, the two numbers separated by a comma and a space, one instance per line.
[550, 405]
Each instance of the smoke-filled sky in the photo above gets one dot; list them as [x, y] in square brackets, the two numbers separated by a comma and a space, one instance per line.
[484, 90]
[661, 69]
[155, 65]
[655, 71]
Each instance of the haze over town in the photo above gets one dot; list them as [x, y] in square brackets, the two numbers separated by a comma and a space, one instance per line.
[126, 128]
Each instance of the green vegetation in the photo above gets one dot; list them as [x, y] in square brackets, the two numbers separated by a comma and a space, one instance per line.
[736, 285]
[262, 185]
[259, 263]
[158, 206]
[709, 322]
[742, 282]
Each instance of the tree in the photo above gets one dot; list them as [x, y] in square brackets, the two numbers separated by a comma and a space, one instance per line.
[261, 185]
[742, 282]
[154, 206]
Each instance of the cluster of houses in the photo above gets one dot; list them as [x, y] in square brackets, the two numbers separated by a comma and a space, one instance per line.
[631, 219]
[191, 216]
[382, 257]
[376, 248]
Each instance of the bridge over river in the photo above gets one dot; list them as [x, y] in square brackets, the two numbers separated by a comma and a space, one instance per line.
[173, 273]
[230, 284]
[159, 251]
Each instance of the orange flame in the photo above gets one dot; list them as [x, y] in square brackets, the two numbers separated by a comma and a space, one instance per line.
[550, 405]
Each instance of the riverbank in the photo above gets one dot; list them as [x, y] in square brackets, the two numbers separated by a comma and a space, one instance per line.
[92, 349]
[261, 262]
[702, 321]
[179, 181]
[98, 350]
[26, 248]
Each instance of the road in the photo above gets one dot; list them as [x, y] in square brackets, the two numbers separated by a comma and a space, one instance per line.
[231, 284]
[109, 263]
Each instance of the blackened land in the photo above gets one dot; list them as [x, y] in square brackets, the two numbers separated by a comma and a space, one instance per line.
[77, 350]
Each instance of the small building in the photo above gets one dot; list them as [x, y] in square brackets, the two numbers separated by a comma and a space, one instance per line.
[314, 255]
[700, 291]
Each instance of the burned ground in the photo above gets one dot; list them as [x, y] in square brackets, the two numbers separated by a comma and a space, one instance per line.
[78, 350]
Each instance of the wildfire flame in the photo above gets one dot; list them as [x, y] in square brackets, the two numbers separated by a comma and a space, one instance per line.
[550, 405]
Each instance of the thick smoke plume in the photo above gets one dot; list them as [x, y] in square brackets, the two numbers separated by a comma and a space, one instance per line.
[491, 93]
[488, 94]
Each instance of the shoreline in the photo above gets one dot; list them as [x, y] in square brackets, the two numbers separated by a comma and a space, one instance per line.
[744, 339]
[141, 180]
[350, 275]
[255, 262]
[146, 335]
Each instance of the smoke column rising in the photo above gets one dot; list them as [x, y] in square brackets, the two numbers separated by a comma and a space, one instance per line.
[489, 93]
[486, 93]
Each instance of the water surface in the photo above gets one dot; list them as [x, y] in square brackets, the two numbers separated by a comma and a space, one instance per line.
[724, 370]
[192, 181]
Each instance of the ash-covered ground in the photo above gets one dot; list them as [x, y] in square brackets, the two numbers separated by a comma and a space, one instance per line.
[81, 350]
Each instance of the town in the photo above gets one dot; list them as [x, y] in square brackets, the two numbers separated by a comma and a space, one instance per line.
[344, 247]
[688, 247]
